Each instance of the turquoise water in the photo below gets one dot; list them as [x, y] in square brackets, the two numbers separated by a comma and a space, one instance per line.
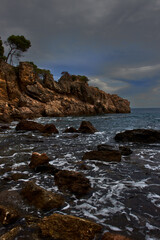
[126, 195]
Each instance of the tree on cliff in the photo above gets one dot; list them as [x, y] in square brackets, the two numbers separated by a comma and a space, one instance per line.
[1, 49]
[17, 45]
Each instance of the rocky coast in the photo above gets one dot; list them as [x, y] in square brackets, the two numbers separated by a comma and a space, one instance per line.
[25, 94]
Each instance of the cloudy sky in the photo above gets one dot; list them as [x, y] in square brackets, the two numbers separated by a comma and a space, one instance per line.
[116, 43]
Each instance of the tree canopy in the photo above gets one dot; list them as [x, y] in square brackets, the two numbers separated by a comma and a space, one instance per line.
[17, 45]
[1, 49]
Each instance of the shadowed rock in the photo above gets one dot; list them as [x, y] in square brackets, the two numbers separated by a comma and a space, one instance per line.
[113, 236]
[87, 127]
[70, 130]
[38, 159]
[125, 151]
[29, 126]
[105, 147]
[139, 135]
[50, 128]
[41, 198]
[107, 156]
[8, 215]
[67, 227]
[74, 182]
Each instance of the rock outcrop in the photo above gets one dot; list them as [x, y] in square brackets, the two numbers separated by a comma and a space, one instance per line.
[68, 227]
[23, 94]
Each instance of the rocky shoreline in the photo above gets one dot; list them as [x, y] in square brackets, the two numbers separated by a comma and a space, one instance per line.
[54, 225]
[26, 95]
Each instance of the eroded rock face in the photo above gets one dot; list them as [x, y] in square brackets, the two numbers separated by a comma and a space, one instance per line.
[41, 198]
[8, 215]
[139, 135]
[107, 156]
[87, 127]
[66, 227]
[74, 182]
[24, 95]
[113, 236]
[38, 159]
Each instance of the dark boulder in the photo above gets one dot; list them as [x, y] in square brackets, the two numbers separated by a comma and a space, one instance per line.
[47, 168]
[29, 126]
[8, 215]
[67, 227]
[114, 236]
[38, 159]
[105, 147]
[125, 151]
[74, 182]
[87, 127]
[139, 135]
[70, 130]
[50, 128]
[41, 198]
[107, 156]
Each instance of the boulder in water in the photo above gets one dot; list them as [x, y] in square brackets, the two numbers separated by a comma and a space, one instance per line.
[107, 155]
[125, 151]
[68, 227]
[38, 159]
[70, 130]
[139, 135]
[41, 198]
[74, 182]
[87, 127]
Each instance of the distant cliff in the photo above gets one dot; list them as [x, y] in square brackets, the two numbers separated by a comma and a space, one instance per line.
[23, 94]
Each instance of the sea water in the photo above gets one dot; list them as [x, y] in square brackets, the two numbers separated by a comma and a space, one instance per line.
[125, 196]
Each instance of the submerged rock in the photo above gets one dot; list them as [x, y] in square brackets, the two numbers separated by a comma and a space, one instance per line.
[38, 159]
[41, 198]
[87, 127]
[105, 147]
[139, 135]
[67, 227]
[113, 236]
[8, 215]
[125, 151]
[70, 130]
[74, 182]
[107, 156]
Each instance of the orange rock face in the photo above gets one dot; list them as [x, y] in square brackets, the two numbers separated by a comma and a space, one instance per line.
[112, 236]
[24, 95]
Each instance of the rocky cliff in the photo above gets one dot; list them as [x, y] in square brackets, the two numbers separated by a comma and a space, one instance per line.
[23, 94]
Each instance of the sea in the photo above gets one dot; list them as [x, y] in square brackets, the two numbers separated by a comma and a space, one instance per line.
[125, 196]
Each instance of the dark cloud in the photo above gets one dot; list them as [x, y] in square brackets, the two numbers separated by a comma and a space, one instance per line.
[114, 42]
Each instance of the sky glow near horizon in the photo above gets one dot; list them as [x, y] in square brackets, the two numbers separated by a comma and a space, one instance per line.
[116, 43]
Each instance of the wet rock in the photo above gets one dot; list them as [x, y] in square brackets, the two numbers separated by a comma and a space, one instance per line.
[11, 234]
[87, 127]
[8, 215]
[66, 227]
[107, 156]
[4, 127]
[72, 136]
[50, 128]
[47, 168]
[113, 236]
[29, 126]
[70, 130]
[38, 159]
[139, 135]
[105, 147]
[17, 176]
[74, 182]
[125, 151]
[41, 198]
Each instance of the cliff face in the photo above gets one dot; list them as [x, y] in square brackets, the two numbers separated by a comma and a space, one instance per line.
[24, 95]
